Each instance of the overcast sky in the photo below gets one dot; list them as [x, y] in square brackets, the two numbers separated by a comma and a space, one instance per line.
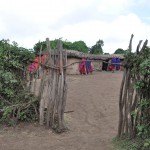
[113, 21]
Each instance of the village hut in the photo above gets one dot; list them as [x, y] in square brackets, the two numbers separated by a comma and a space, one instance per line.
[108, 60]
[99, 62]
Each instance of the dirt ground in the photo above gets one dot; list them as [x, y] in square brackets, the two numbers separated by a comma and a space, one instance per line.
[92, 125]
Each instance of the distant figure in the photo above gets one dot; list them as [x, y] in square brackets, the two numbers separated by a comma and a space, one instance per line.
[118, 64]
[44, 59]
[36, 60]
[113, 63]
[31, 68]
[109, 67]
[82, 66]
[89, 68]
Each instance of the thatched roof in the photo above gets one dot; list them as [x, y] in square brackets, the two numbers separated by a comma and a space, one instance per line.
[77, 54]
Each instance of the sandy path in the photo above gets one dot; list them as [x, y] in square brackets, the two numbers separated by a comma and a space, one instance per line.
[92, 125]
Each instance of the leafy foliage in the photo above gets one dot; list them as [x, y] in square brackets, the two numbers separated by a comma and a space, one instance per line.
[38, 45]
[139, 65]
[97, 48]
[119, 51]
[16, 103]
[126, 143]
[77, 45]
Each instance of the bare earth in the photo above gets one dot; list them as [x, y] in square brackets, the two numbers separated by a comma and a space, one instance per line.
[92, 125]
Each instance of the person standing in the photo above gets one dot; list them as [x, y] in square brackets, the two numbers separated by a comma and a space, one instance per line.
[118, 63]
[89, 68]
[113, 63]
[82, 66]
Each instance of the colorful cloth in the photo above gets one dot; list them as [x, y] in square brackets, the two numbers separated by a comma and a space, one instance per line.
[89, 68]
[82, 67]
[31, 68]
[118, 64]
[43, 59]
[113, 60]
[36, 59]
[110, 68]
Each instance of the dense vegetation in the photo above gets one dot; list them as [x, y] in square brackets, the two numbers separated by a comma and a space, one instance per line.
[16, 103]
[120, 51]
[97, 48]
[77, 45]
[134, 103]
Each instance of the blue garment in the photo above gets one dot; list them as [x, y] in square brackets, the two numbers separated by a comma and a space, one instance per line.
[118, 63]
[117, 60]
[113, 60]
[88, 66]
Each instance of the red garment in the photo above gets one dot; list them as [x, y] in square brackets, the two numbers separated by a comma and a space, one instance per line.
[82, 66]
[44, 58]
[31, 68]
[91, 69]
[36, 65]
[110, 68]
[36, 59]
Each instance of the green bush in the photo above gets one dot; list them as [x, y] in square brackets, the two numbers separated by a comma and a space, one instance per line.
[16, 102]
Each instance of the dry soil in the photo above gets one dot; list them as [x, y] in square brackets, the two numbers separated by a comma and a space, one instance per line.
[92, 124]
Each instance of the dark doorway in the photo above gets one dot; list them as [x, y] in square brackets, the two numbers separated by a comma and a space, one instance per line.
[105, 65]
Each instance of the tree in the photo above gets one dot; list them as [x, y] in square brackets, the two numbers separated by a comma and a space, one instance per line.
[119, 51]
[67, 45]
[77, 45]
[80, 46]
[38, 45]
[97, 48]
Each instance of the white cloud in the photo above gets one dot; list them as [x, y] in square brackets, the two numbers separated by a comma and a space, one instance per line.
[28, 21]
[113, 6]
[116, 33]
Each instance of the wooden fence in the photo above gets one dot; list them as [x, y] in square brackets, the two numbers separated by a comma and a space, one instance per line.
[132, 96]
[49, 84]
[51, 88]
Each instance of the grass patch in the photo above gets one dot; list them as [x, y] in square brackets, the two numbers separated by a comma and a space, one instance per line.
[125, 143]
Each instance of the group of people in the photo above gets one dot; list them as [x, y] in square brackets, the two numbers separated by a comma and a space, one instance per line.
[36, 64]
[85, 66]
[114, 64]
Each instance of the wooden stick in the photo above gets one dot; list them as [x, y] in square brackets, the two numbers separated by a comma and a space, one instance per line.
[130, 44]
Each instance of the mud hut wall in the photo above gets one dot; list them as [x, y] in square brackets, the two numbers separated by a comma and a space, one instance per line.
[122, 62]
[97, 65]
[73, 69]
